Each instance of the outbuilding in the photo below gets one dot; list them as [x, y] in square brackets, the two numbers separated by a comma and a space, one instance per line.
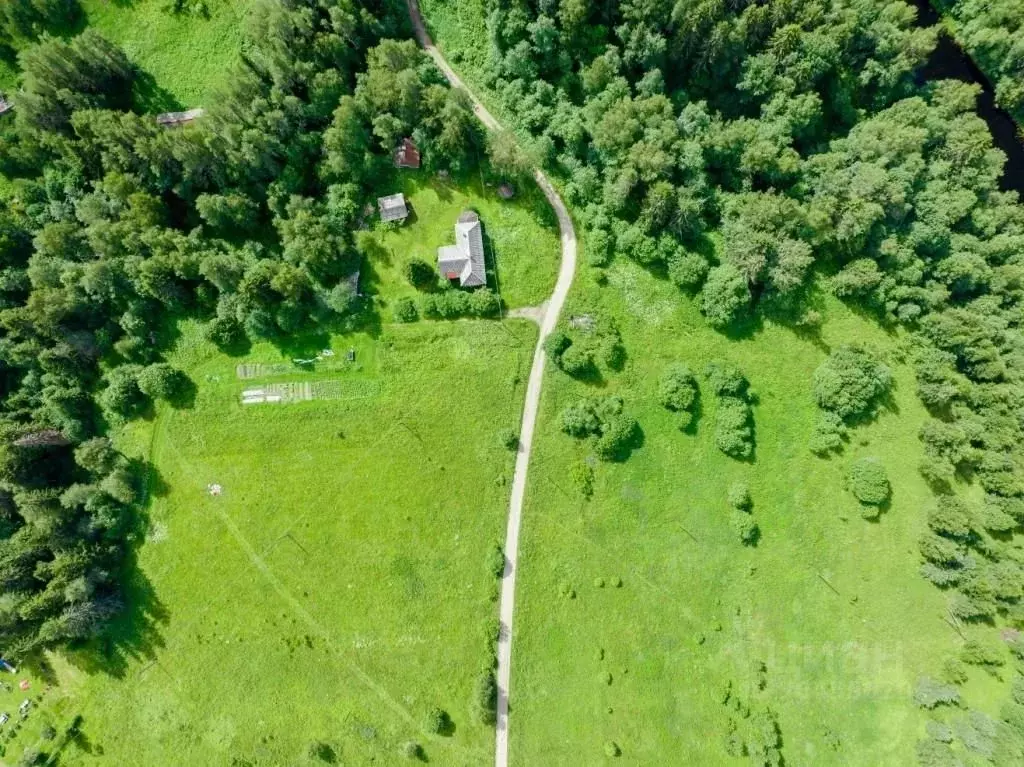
[393, 207]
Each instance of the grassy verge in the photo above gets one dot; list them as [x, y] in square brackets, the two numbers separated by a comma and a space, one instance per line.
[338, 589]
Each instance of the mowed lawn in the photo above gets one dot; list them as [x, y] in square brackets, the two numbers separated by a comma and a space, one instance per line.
[520, 236]
[830, 603]
[337, 590]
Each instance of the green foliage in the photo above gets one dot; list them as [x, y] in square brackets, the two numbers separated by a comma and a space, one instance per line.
[485, 697]
[508, 439]
[452, 304]
[495, 560]
[725, 296]
[405, 310]
[611, 749]
[734, 432]
[829, 433]
[88, 72]
[929, 694]
[677, 389]
[437, 721]
[850, 382]
[746, 528]
[161, 381]
[868, 482]
[739, 496]
[616, 433]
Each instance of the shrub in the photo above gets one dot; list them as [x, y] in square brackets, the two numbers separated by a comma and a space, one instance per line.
[225, 333]
[579, 420]
[421, 275]
[611, 748]
[869, 482]
[828, 434]
[485, 697]
[733, 433]
[161, 381]
[688, 270]
[677, 389]
[739, 496]
[412, 750]
[850, 381]
[576, 361]
[725, 379]
[725, 296]
[321, 751]
[484, 303]
[508, 439]
[930, 693]
[618, 436]
[495, 560]
[405, 310]
[950, 517]
[437, 721]
[746, 528]
[583, 477]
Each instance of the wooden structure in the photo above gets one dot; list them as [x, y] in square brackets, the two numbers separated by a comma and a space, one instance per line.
[406, 155]
[177, 119]
[393, 207]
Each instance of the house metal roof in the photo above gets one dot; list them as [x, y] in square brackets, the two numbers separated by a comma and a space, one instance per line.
[466, 256]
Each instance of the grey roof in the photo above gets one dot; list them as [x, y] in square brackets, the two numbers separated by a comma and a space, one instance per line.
[172, 119]
[393, 207]
[466, 257]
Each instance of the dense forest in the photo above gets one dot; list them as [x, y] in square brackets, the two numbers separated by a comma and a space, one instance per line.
[758, 153]
[116, 225]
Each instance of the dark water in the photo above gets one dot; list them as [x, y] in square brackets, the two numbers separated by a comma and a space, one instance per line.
[949, 62]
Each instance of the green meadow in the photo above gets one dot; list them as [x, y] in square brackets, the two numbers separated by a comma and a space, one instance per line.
[182, 57]
[337, 589]
[830, 603]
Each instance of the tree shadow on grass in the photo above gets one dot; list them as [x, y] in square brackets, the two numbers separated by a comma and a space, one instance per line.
[150, 98]
[133, 636]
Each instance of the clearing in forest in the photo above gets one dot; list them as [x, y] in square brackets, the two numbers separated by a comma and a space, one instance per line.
[832, 604]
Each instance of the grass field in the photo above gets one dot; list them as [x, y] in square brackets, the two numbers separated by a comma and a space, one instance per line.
[337, 589]
[520, 237]
[182, 57]
[832, 604]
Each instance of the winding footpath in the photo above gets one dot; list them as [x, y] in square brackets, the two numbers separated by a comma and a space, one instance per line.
[549, 314]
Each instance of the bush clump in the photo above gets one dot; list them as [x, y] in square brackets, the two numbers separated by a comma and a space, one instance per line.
[677, 391]
[508, 439]
[868, 482]
[161, 381]
[739, 496]
[485, 697]
[602, 418]
[452, 304]
[734, 431]
[850, 382]
[405, 310]
[437, 721]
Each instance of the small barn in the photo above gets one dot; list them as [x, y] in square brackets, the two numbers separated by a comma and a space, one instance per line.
[177, 119]
[393, 207]
[464, 261]
[406, 154]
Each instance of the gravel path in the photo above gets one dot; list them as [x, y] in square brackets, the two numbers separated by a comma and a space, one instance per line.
[547, 324]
